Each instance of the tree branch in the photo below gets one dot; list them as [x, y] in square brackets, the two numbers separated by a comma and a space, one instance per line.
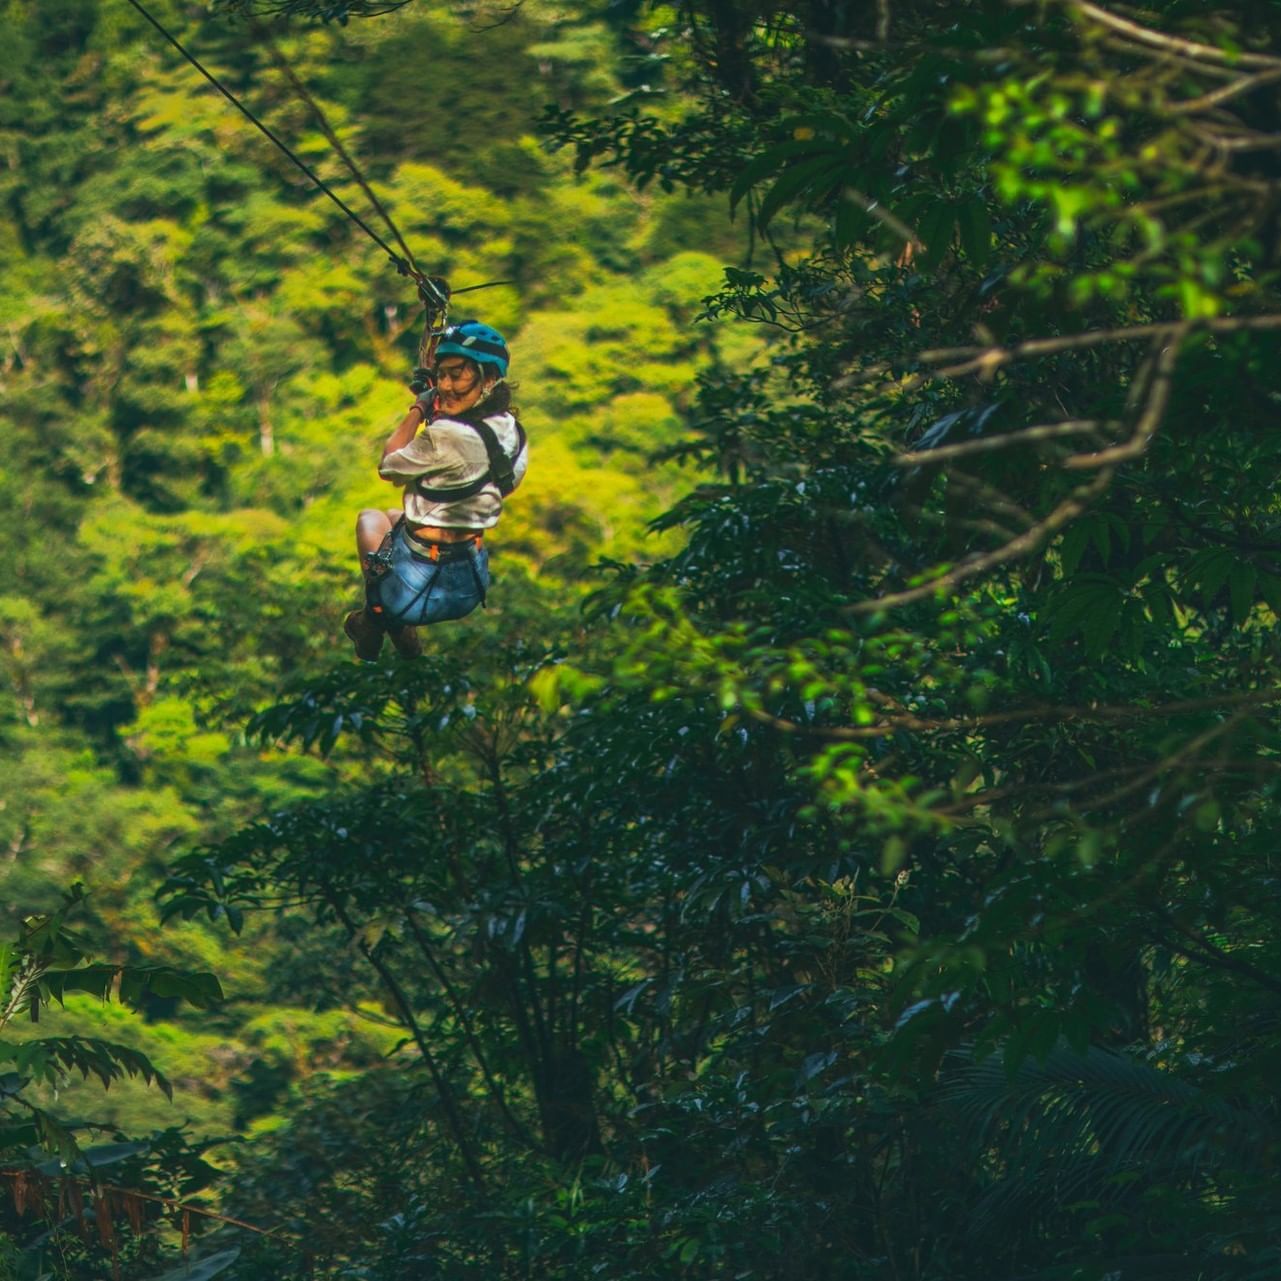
[1174, 44]
[1225, 93]
[460, 1013]
[1022, 545]
[1149, 420]
[1050, 712]
[988, 359]
[1210, 954]
[1026, 436]
[401, 1001]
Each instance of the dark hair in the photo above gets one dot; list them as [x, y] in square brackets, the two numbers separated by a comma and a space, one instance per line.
[499, 401]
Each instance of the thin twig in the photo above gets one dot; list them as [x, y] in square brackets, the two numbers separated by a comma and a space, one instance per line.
[995, 499]
[989, 796]
[1163, 766]
[874, 209]
[1241, 142]
[1225, 93]
[1168, 59]
[170, 1203]
[400, 999]
[1147, 870]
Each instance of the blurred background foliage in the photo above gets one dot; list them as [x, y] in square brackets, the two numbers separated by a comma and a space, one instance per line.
[845, 846]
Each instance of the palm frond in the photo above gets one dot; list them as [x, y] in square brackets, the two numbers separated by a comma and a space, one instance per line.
[1091, 1127]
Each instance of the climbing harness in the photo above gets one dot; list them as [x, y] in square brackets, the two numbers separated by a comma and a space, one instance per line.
[379, 566]
[459, 549]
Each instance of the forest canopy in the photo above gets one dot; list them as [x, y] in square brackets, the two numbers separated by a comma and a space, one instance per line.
[843, 846]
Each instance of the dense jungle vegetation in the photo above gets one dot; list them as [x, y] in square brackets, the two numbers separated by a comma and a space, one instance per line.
[844, 846]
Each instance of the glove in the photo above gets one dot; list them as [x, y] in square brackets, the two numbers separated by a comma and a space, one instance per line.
[420, 382]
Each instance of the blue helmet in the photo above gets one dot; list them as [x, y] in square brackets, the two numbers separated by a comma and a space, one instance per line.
[476, 341]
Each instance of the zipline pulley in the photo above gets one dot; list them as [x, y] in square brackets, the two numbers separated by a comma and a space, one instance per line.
[434, 292]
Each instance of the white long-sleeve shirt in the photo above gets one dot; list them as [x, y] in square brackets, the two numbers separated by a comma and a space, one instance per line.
[445, 454]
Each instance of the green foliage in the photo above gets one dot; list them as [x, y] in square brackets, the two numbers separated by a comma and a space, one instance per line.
[203, 1268]
[43, 964]
[844, 849]
[1086, 1132]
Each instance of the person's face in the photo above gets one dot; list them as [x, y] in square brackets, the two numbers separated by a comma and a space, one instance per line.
[459, 384]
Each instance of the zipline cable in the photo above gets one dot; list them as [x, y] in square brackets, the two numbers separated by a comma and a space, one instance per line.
[433, 291]
[403, 265]
[322, 120]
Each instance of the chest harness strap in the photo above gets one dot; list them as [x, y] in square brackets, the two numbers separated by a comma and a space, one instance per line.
[501, 470]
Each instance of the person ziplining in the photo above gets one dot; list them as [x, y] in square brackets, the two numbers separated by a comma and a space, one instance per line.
[426, 562]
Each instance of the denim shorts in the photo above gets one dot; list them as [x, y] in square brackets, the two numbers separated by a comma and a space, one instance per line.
[417, 590]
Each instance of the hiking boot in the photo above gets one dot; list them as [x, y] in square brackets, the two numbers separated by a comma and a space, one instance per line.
[406, 641]
[365, 634]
